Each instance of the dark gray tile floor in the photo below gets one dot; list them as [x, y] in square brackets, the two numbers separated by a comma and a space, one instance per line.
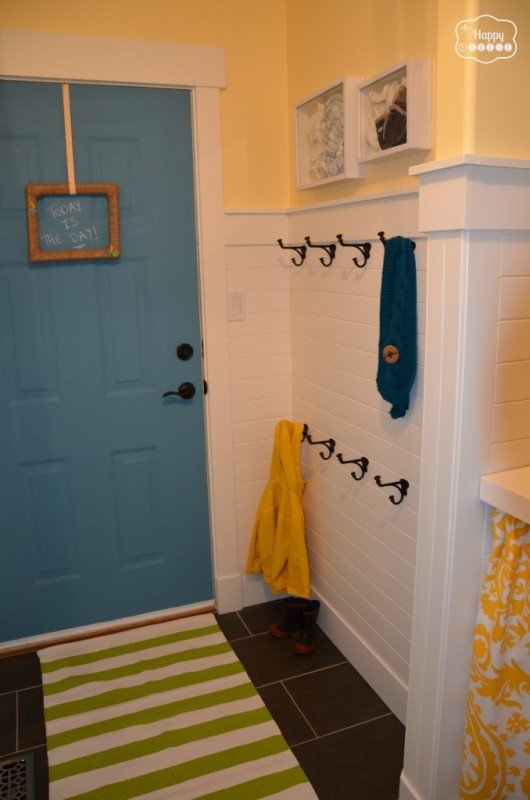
[347, 741]
[21, 715]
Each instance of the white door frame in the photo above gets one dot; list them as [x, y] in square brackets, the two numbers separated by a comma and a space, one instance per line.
[32, 55]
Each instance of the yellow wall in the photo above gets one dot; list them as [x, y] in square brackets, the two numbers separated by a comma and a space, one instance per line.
[254, 105]
[479, 107]
[327, 40]
[279, 51]
[503, 113]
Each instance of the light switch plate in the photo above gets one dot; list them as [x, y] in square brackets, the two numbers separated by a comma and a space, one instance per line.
[236, 306]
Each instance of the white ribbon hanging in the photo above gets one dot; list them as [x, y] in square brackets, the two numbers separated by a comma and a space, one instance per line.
[68, 139]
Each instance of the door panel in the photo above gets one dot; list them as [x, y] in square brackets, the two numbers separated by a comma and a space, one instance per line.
[103, 483]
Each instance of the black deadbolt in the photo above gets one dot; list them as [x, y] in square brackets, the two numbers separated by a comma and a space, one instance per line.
[184, 351]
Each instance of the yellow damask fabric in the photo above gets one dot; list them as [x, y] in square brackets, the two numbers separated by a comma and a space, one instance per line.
[496, 755]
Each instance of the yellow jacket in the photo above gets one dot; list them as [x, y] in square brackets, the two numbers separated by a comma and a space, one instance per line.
[278, 546]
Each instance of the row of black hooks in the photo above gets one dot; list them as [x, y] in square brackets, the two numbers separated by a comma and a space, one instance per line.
[402, 485]
[331, 250]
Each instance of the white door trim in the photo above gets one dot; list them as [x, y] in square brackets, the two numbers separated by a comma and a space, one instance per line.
[31, 55]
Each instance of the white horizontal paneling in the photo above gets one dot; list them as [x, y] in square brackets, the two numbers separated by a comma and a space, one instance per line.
[266, 301]
[257, 278]
[256, 257]
[515, 257]
[509, 455]
[340, 594]
[349, 334]
[260, 353]
[246, 512]
[340, 356]
[253, 431]
[511, 421]
[363, 502]
[258, 324]
[362, 547]
[363, 390]
[391, 620]
[278, 407]
[510, 438]
[337, 306]
[357, 282]
[398, 431]
[252, 472]
[512, 344]
[512, 381]
[267, 366]
[252, 451]
[514, 300]
[378, 564]
[267, 344]
[249, 492]
[307, 350]
[261, 388]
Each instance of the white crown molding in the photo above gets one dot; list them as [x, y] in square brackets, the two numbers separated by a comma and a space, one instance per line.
[92, 59]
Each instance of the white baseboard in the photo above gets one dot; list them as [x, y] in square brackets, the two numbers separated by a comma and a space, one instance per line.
[376, 672]
[406, 789]
[256, 591]
[228, 594]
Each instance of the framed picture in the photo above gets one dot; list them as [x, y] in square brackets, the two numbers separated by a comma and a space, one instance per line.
[67, 227]
[326, 135]
[395, 110]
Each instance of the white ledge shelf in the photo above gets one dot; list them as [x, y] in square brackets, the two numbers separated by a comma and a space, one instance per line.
[508, 491]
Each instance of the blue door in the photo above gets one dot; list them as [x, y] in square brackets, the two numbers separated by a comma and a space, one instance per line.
[103, 497]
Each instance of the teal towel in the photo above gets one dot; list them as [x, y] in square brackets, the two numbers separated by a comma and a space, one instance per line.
[396, 369]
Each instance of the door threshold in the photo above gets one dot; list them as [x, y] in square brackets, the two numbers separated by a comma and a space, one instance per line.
[102, 628]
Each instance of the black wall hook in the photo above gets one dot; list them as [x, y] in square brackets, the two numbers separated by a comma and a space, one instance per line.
[362, 463]
[364, 248]
[402, 486]
[381, 235]
[301, 249]
[330, 249]
[329, 443]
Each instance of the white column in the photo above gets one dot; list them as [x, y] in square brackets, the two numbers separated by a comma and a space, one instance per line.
[464, 205]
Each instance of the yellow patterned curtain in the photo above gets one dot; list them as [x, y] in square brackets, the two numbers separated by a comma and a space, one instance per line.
[496, 756]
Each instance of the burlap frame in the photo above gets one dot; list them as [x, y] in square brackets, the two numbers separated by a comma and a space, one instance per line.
[34, 191]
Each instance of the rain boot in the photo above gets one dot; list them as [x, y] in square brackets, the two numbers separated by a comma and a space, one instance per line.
[293, 619]
[306, 642]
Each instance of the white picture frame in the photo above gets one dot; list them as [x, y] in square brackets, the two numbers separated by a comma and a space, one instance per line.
[326, 135]
[394, 109]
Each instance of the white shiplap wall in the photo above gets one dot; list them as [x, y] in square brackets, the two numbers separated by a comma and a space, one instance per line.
[260, 363]
[307, 350]
[362, 547]
[510, 438]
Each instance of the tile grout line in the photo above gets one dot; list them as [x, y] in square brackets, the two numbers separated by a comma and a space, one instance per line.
[21, 689]
[245, 625]
[341, 730]
[301, 675]
[299, 709]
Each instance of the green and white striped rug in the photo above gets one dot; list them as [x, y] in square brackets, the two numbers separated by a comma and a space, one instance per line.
[163, 711]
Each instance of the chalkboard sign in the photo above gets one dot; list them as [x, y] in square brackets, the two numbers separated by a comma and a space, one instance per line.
[65, 227]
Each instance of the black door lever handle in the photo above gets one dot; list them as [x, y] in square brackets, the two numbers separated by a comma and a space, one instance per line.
[186, 390]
